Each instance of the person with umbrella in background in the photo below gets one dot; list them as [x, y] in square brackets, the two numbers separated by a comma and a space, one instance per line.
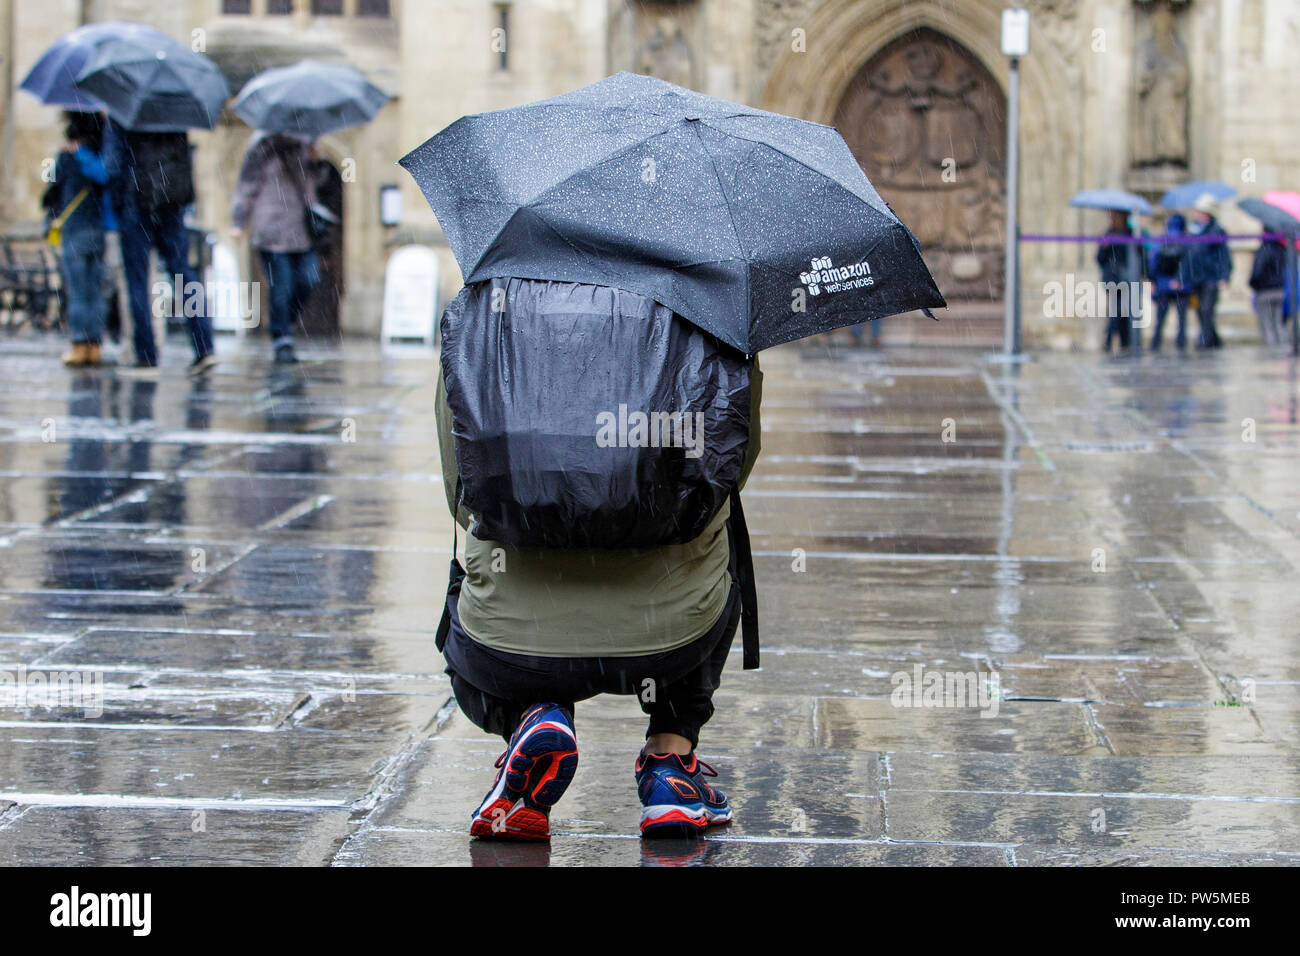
[53, 79]
[272, 202]
[1120, 262]
[1268, 280]
[627, 249]
[1113, 259]
[151, 178]
[154, 90]
[1275, 265]
[1168, 267]
[276, 197]
[75, 200]
[1209, 267]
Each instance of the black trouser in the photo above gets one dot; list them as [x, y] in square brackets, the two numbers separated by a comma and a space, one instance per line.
[1180, 301]
[1207, 302]
[493, 688]
[1119, 324]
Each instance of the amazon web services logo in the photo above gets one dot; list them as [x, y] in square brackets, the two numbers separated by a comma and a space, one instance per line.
[825, 276]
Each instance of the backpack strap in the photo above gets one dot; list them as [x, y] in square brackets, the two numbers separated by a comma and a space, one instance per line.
[453, 584]
[745, 578]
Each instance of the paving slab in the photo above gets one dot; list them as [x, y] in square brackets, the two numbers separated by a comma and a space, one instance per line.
[181, 836]
[249, 567]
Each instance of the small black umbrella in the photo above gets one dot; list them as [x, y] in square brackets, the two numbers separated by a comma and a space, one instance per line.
[757, 227]
[1271, 217]
[155, 85]
[309, 99]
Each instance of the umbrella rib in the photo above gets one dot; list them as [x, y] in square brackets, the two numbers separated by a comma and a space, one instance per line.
[604, 159]
[526, 203]
[726, 200]
[542, 219]
[796, 159]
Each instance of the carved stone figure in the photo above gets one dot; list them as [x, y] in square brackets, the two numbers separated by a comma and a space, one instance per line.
[1158, 130]
[666, 53]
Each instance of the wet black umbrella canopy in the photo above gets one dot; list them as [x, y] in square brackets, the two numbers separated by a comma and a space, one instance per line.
[757, 227]
[154, 84]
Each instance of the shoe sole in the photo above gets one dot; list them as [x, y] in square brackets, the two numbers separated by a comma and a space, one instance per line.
[672, 820]
[506, 821]
[538, 770]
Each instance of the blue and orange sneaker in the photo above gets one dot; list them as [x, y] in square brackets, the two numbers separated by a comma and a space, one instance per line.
[535, 770]
[675, 800]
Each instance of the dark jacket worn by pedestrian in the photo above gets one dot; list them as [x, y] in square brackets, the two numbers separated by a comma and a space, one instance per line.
[1167, 263]
[1113, 258]
[1209, 262]
[151, 170]
[1268, 271]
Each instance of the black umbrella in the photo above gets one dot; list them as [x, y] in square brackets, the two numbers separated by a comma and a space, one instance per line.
[1271, 217]
[309, 99]
[759, 228]
[155, 85]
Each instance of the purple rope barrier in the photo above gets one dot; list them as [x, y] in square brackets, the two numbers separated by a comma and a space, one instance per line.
[1160, 240]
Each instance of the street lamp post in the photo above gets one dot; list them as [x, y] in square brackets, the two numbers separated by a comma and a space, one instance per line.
[1293, 281]
[1015, 44]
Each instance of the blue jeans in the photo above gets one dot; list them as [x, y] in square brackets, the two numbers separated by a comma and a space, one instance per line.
[857, 331]
[291, 276]
[162, 229]
[82, 260]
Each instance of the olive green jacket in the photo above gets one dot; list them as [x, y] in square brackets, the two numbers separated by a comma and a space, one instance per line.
[592, 602]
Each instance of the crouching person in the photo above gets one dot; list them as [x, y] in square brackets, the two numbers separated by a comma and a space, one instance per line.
[594, 444]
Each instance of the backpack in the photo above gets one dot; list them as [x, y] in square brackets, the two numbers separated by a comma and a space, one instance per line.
[163, 169]
[1168, 261]
[592, 417]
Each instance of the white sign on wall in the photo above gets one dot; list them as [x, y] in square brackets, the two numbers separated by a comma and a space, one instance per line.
[410, 295]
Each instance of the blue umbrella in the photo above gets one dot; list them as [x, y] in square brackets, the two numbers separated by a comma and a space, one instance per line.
[1185, 196]
[1111, 199]
[53, 79]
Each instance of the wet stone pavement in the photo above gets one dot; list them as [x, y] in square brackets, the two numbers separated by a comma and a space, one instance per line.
[246, 571]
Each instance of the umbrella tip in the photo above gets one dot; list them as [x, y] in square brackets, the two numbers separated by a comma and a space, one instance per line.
[929, 315]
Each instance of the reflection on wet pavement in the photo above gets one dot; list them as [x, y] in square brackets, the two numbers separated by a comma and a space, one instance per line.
[1013, 615]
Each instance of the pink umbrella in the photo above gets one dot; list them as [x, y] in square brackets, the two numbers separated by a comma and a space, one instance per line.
[1288, 202]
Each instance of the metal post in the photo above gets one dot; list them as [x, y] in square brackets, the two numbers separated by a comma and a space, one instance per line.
[1134, 302]
[1011, 317]
[1293, 294]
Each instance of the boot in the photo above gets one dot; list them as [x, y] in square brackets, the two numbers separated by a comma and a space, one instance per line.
[77, 355]
[93, 354]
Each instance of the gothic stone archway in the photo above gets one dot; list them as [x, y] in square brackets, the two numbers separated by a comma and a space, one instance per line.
[927, 122]
[843, 36]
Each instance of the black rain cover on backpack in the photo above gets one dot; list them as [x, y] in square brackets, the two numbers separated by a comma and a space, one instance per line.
[1168, 260]
[589, 417]
[163, 169]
